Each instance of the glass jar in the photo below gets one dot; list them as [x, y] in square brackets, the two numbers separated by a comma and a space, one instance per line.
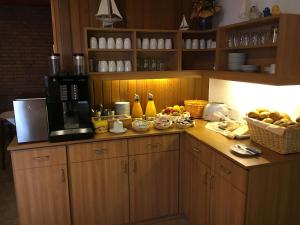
[78, 63]
[54, 64]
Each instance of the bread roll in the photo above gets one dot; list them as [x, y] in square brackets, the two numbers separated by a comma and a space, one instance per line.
[254, 115]
[297, 125]
[275, 116]
[264, 115]
[281, 122]
[260, 110]
[268, 120]
[285, 116]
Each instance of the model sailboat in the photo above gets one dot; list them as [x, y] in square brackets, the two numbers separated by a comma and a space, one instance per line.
[108, 13]
[184, 25]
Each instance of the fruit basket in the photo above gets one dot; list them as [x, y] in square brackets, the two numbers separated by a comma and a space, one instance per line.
[279, 139]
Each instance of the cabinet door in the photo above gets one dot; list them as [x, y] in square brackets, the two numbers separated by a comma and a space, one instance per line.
[153, 185]
[227, 203]
[195, 190]
[99, 191]
[42, 196]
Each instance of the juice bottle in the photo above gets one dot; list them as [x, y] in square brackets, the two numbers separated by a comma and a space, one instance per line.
[150, 108]
[137, 111]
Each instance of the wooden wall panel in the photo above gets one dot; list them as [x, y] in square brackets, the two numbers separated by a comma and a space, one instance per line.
[166, 92]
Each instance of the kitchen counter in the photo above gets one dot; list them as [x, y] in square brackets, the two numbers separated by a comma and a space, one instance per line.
[214, 140]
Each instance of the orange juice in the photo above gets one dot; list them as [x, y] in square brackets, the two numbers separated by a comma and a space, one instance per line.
[137, 111]
[150, 108]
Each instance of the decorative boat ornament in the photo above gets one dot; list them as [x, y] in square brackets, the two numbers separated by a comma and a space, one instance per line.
[184, 25]
[108, 13]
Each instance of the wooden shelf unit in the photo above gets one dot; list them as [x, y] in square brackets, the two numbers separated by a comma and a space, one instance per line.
[181, 62]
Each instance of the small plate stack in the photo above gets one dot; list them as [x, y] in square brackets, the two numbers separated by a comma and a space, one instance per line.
[249, 68]
[236, 60]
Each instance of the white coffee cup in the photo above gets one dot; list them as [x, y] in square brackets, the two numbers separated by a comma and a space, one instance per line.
[213, 44]
[168, 43]
[153, 43]
[120, 66]
[111, 44]
[118, 126]
[209, 43]
[103, 66]
[139, 43]
[102, 43]
[119, 43]
[188, 43]
[93, 42]
[145, 43]
[112, 67]
[202, 43]
[272, 69]
[128, 66]
[161, 43]
[195, 44]
[127, 43]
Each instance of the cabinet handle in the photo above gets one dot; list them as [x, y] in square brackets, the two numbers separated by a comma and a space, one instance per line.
[212, 180]
[101, 151]
[156, 145]
[125, 166]
[63, 177]
[41, 158]
[225, 170]
[196, 150]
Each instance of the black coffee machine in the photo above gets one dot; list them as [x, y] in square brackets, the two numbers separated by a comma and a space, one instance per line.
[68, 108]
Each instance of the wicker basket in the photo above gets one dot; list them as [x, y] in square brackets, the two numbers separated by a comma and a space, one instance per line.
[287, 143]
[195, 107]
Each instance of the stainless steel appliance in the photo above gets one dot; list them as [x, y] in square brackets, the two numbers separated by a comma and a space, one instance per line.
[31, 119]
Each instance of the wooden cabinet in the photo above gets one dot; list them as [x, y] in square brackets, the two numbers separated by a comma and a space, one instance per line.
[99, 183]
[261, 50]
[99, 191]
[153, 177]
[209, 195]
[153, 185]
[227, 203]
[195, 189]
[42, 190]
[108, 187]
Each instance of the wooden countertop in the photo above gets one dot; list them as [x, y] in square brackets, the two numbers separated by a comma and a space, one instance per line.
[216, 141]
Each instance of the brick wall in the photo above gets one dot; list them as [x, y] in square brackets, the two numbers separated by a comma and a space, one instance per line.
[25, 43]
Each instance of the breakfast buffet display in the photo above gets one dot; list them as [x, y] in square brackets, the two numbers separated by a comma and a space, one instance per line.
[274, 130]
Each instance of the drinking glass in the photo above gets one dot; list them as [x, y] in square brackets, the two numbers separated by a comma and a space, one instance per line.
[230, 41]
[146, 64]
[153, 65]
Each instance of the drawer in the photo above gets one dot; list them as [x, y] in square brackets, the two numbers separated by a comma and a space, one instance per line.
[231, 172]
[42, 157]
[97, 150]
[199, 150]
[153, 144]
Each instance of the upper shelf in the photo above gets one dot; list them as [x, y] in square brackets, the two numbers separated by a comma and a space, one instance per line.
[181, 62]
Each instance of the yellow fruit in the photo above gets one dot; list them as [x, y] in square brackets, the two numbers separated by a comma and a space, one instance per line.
[176, 107]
